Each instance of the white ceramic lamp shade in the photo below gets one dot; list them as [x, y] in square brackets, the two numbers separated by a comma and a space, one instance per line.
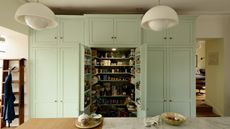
[159, 18]
[36, 16]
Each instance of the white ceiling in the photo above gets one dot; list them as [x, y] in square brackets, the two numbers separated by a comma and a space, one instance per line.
[136, 6]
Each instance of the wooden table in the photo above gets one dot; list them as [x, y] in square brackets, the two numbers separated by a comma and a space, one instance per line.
[129, 123]
[51, 123]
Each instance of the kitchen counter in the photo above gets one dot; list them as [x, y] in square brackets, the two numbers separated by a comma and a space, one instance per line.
[128, 123]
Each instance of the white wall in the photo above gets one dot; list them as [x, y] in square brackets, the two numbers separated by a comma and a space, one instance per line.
[216, 26]
[15, 47]
[215, 74]
[7, 11]
[200, 52]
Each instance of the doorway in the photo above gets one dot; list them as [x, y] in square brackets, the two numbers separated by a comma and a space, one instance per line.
[209, 77]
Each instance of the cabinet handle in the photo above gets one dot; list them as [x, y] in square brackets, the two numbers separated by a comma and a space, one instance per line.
[61, 101]
[112, 37]
[115, 37]
[170, 100]
[165, 38]
[170, 37]
[55, 37]
[164, 101]
[61, 37]
[55, 101]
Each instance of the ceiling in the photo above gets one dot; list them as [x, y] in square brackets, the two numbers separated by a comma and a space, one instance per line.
[194, 7]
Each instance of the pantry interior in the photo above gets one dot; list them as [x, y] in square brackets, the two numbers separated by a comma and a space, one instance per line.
[111, 81]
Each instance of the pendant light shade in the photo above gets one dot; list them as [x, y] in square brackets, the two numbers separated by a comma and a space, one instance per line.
[159, 18]
[36, 15]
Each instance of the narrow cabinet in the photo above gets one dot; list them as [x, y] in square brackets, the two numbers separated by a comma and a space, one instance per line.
[44, 72]
[69, 80]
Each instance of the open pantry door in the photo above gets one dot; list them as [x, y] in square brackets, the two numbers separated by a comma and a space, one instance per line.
[85, 79]
[140, 79]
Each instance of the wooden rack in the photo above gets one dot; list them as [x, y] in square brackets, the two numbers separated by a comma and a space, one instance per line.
[17, 83]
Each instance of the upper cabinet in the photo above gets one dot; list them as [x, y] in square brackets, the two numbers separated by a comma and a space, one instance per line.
[114, 29]
[182, 34]
[70, 30]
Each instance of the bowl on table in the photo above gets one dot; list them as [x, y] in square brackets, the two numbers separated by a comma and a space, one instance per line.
[173, 118]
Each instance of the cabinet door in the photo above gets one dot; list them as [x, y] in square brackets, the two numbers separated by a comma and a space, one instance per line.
[153, 37]
[69, 88]
[101, 31]
[127, 31]
[72, 30]
[45, 37]
[181, 34]
[181, 88]
[156, 69]
[45, 82]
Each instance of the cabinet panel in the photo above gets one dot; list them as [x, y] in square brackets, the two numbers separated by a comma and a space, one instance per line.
[155, 108]
[127, 31]
[180, 70]
[181, 34]
[70, 78]
[153, 37]
[45, 77]
[156, 61]
[101, 31]
[177, 107]
[72, 30]
[46, 110]
[181, 82]
[48, 36]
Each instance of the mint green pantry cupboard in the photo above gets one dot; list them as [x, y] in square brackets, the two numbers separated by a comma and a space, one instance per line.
[54, 69]
[166, 64]
[170, 83]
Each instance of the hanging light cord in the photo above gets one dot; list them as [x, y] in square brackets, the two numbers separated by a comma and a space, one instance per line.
[159, 2]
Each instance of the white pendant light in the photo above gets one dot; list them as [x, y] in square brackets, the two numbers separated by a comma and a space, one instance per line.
[36, 15]
[159, 18]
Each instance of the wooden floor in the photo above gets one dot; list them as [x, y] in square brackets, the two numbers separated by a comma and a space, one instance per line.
[203, 109]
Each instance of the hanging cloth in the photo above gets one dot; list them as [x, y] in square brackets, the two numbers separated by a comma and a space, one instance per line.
[9, 98]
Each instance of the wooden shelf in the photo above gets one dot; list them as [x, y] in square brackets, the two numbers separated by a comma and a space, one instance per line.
[113, 65]
[19, 65]
[112, 104]
[113, 80]
[122, 73]
[114, 96]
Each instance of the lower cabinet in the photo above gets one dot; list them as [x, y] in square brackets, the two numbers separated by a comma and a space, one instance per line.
[55, 77]
[170, 81]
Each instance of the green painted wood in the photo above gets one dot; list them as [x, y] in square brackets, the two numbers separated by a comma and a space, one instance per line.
[156, 69]
[181, 82]
[170, 81]
[45, 80]
[181, 34]
[101, 31]
[114, 30]
[154, 37]
[127, 31]
[69, 89]
[72, 30]
[45, 37]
